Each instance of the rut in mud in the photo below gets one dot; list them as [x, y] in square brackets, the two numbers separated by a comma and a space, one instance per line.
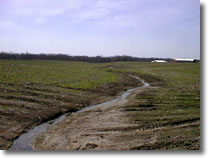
[140, 122]
[24, 106]
[24, 142]
[90, 128]
[164, 116]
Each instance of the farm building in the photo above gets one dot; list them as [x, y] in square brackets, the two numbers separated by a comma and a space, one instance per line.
[159, 61]
[185, 60]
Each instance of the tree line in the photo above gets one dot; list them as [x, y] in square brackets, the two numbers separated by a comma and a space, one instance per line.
[95, 59]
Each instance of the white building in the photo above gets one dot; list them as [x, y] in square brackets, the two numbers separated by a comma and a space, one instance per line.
[183, 60]
[159, 61]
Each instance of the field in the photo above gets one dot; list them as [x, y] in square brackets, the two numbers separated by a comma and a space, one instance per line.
[165, 115]
[170, 110]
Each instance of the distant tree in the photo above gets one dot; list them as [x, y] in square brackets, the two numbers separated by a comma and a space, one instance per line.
[96, 59]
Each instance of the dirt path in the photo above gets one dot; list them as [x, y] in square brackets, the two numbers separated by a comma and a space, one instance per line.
[111, 126]
[99, 128]
[26, 106]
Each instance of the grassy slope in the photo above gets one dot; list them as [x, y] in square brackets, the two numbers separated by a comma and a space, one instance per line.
[175, 104]
[34, 91]
[65, 74]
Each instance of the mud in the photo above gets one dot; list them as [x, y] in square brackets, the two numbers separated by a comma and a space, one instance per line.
[24, 142]
[93, 128]
[114, 127]
[23, 107]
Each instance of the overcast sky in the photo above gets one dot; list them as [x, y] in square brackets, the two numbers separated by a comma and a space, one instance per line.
[142, 28]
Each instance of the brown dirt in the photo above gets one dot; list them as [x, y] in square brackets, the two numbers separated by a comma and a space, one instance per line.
[22, 107]
[109, 128]
[81, 131]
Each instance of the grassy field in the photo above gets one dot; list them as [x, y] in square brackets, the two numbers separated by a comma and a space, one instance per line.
[34, 91]
[59, 73]
[171, 108]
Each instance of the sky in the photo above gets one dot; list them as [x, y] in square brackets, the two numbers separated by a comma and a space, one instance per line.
[141, 28]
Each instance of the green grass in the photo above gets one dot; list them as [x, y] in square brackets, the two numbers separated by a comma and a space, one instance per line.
[175, 101]
[60, 73]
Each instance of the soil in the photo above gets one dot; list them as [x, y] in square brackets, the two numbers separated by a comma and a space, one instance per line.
[28, 105]
[81, 131]
[108, 128]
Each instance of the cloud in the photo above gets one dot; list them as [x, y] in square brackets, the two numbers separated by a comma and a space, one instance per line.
[102, 22]
[110, 12]
[43, 7]
[41, 10]
[11, 26]
[76, 9]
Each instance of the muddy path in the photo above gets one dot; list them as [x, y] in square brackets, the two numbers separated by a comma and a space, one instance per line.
[80, 123]
[27, 105]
